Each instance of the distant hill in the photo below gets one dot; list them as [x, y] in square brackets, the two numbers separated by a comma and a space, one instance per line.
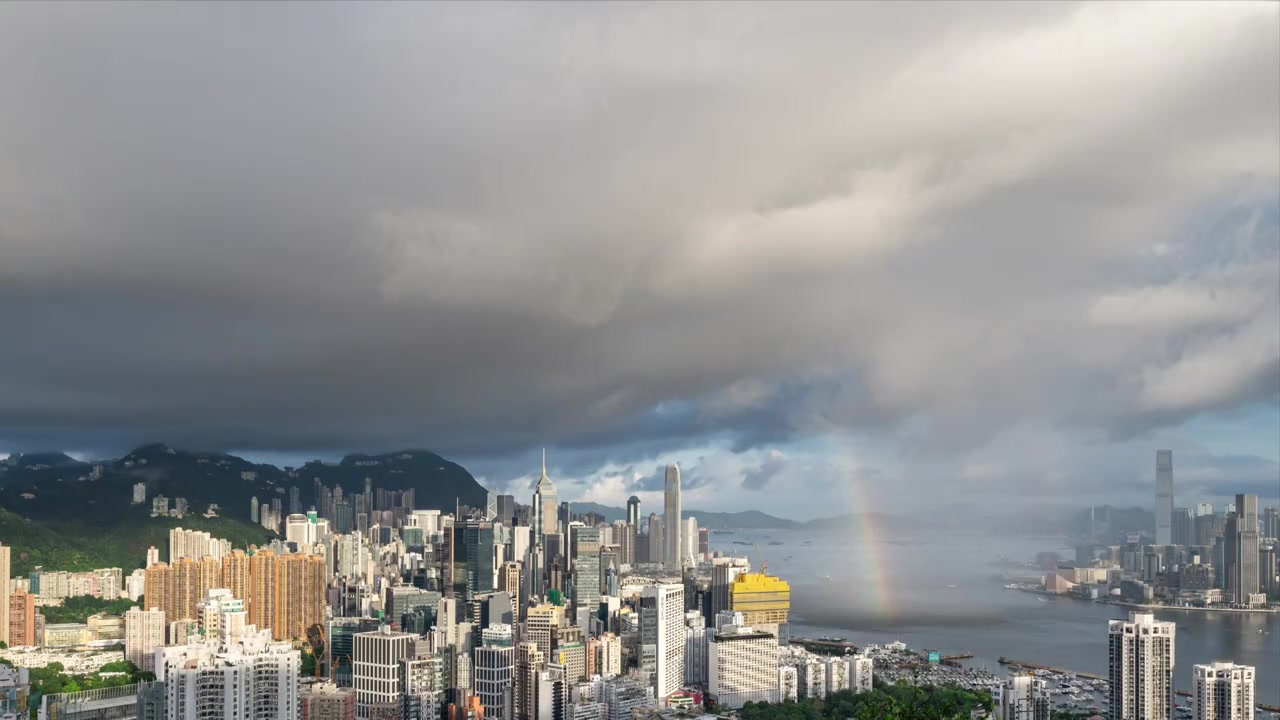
[51, 487]
[746, 520]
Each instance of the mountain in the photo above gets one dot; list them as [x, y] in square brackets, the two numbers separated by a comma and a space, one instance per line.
[746, 520]
[56, 488]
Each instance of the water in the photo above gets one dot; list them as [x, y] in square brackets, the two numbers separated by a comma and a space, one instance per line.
[898, 587]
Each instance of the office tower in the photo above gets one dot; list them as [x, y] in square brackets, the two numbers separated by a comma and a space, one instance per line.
[662, 637]
[1241, 549]
[861, 670]
[143, 633]
[742, 666]
[671, 521]
[22, 619]
[295, 499]
[1268, 580]
[762, 599]
[255, 514]
[1022, 697]
[656, 540]
[1270, 526]
[507, 510]
[724, 571]
[586, 567]
[494, 669]
[530, 661]
[477, 538]
[695, 649]
[633, 511]
[262, 589]
[4, 593]
[545, 503]
[704, 542]
[1183, 526]
[689, 541]
[327, 701]
[1164, 497]
[569, 649]
[540, 625]
[376, 666]
[344, 517]
[254, 679]
[1141, 663]
[1223, 691]
[553, 693]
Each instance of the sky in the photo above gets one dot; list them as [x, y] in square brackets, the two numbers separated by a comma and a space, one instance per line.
[828, 257]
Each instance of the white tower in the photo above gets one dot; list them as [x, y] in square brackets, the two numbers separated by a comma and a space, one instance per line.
[671, 524]
[1224, 691]
[545, 504]
[1141, 668]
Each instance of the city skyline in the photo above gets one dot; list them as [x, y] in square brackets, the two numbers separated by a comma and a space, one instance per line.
[860, 299]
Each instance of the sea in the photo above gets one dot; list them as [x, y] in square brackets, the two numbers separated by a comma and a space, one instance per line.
[937, 589]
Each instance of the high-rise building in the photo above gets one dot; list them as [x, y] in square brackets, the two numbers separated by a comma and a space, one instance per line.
[507, 509]
[143, 633]
[494, 670]
[861, 670]
[724, 571]
[235, 575]
[222, 616]
[671, 521]
[689, 541]
[662, 637]
[1141, 663]
[1022, 697]
[4, 593]
[633, 511]
[530, 662]
[656, 539]
[607, 655]
[327, 701]
[1223, 691]
[541, 622]
[1164, 497]
[300, 594]
[742, 666]
[762, 599]
[254, 679]
[376, 667]
[545, 503]
[262, 589]
[695, 649]
[22, 619]
[1270, 525]
[1241, 549]
[586, 567]
[1183, 526]
[295, 500]
[477, 538]
[622, 695]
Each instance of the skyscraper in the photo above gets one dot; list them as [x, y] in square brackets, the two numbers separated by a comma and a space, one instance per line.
[742, 666]
[655, 545]
[662, 637]
[1141, 662]
[376, 666]
[1164, 497]
[143, 633]
[633, 511]
[1223, 691]
[586, 568]
[1241, 549]
[545, 503]
[671, 525]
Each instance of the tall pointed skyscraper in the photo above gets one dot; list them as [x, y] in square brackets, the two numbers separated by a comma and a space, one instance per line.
[545, 503]
[671, 524]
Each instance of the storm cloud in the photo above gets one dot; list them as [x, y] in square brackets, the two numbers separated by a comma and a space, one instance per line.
[623, 229]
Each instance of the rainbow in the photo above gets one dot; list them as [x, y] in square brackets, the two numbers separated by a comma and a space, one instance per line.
[873, 560]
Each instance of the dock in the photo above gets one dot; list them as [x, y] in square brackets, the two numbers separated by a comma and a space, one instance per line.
[1091, 676]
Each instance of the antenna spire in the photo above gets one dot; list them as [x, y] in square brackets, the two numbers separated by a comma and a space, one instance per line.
[544, 462]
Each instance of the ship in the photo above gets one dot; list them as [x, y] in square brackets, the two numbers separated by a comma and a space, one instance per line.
[775, 542]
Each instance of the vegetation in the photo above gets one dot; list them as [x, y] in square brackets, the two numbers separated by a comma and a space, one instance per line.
[884, 702]
[52, 679]
[123, 543]
[78, 609]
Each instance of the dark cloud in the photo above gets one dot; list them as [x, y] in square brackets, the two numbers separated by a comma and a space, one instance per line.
[622, 229]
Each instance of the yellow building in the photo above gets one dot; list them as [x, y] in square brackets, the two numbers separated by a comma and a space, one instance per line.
[262, 589]
[300, 595]
[762, 599]
[235, 573]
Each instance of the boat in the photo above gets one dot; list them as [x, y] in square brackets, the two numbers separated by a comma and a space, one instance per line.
[775, 542]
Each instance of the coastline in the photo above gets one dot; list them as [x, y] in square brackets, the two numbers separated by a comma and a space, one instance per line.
[1146, 606]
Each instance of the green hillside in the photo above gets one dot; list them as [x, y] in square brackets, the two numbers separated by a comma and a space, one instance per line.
[123, 544]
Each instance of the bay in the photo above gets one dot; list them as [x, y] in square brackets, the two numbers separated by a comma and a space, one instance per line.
[935, 589]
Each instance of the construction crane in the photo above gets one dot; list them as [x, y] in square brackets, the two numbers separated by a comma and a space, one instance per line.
[764, 566]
